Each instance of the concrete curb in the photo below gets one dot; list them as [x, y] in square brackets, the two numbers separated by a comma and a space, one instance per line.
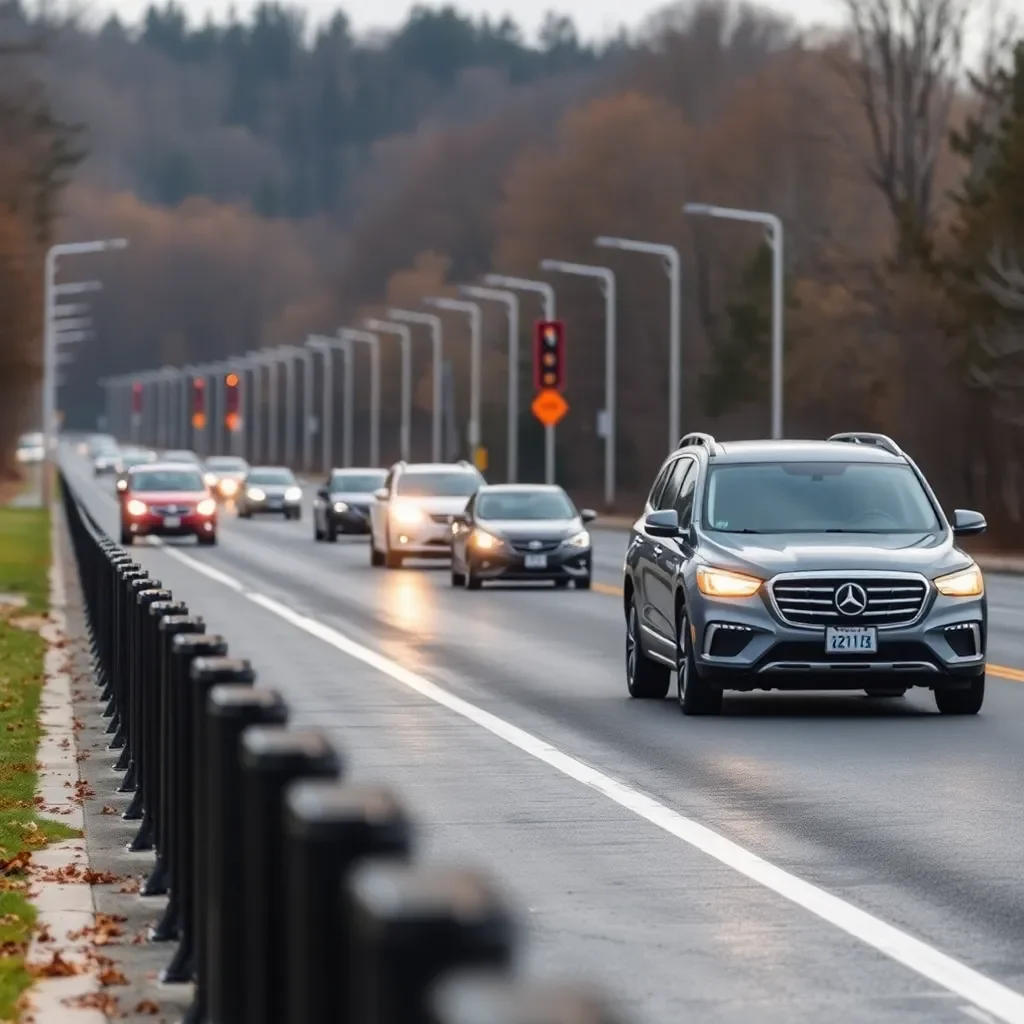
[64, 909]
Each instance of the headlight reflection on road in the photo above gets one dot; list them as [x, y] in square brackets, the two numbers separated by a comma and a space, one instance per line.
[408, 604]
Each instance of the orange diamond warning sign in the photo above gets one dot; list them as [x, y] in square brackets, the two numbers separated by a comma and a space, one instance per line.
[549, 407]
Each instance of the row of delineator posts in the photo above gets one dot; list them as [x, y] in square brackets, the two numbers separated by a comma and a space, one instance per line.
[293, 896]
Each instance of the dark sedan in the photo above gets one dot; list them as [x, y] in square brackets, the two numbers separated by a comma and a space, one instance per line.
[342, 504]
[521, 532]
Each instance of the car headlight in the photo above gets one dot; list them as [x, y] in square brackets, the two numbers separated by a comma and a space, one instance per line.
[579, 540]
[255, 494]
[137, 508]
[210, 479]
[207, 507]
[340, 506]
[722, 583]
[122, 485]
[965, 583]
[408, 515]
[293, 494]
[485, 541]
[228, 487]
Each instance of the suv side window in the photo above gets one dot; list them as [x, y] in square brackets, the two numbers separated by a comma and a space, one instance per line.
[676, 473]
[684, 502]
[659, 484]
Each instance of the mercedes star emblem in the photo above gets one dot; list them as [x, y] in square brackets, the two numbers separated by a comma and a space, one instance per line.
[851, 599]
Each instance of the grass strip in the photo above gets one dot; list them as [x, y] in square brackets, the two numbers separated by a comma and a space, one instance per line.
[24, 565]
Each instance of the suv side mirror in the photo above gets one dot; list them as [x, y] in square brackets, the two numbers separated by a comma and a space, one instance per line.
[663, 523]
[322, 492]
[967, 523]
[588, 515]
[381, 494]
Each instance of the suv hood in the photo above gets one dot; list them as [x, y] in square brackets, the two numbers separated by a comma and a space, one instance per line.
[353, 498]
[190, 498]
[533, 529]
[448, 506]
[275, 490]
[931, 554]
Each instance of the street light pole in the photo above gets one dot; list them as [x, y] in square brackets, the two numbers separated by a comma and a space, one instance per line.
[510, 300]
[353, 334]
[607, 279]
[472, 310]
[326, 345]
[404, 334]
[547, 297]
[670, 258]
[774, 230]
[50, 369]
[434, 323]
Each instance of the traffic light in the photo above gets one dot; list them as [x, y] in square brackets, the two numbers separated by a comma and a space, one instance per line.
[198, 403]
[137, 398]
[232, 414]
[549, 355]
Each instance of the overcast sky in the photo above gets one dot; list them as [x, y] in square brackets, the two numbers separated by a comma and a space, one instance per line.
[594, 18]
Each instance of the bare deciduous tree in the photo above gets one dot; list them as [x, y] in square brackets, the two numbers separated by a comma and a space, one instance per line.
[907, 57]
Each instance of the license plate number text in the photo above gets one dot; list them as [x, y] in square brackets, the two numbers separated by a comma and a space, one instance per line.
[851, 640]
[536, 561]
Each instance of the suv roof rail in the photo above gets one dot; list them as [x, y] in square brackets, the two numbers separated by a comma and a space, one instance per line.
[882, 441]
[699, 438]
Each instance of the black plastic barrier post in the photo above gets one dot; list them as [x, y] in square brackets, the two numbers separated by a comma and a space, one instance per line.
[329, 828]
[472, 997]
[133, 748]
[272, 758]
[186, 648]
[232, 710]
[148, 791]
[409, 926]
[136, 586]
[125, 575]
[106, 622]
[157, 884]
[207, 673]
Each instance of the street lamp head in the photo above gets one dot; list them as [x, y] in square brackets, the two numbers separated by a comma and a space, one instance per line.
[117, 243]
[701, 208]
[607, 242]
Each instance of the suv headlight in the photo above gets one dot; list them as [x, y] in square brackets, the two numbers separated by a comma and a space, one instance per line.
[293, 494]
[723, 583]
[210, 479]
[340, 506]
[136, 507]
[207, 507]
[485, 541]
[967, 582]
[579, 540]
[255, 494]
[228, 487]
[408, 515]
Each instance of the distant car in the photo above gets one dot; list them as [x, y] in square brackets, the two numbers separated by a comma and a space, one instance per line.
[95, 443]
[105, 456]
[181, 455]
[130, 458]
[342, 504]
[412, 514]
[31, 449]
[225, 474]
[167, 500]
[521, 532]
[272, 489]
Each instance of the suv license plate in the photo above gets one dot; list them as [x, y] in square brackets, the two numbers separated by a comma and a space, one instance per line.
[536, 561]
[172, 522]
[851, 640]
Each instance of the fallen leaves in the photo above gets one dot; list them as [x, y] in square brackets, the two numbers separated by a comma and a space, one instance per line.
[106, 1003]
[16, 864]
[55, 967]
[105, 931]
[147, 1008]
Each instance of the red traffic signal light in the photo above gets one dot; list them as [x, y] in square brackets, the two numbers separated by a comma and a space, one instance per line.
[232, 417]
[198, 403]
[549, 355]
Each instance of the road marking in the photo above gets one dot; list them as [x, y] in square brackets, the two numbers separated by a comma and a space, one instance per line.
[984, 993]
[1014, 675]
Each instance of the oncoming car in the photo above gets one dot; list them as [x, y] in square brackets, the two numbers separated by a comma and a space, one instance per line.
[521, 532]
[128, 460]
[412, 514]
[802, 565]
[167, 500]
[342, 504]
[225, 475]
[272, 489]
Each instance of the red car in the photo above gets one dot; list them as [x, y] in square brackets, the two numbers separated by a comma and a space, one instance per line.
[167, 500]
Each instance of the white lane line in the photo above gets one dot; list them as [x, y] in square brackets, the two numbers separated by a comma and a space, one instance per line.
[981, 992]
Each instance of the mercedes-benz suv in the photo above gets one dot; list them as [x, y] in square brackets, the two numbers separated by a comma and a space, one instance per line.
[801, 565]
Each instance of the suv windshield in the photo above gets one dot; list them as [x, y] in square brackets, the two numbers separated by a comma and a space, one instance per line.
[357, 483]
[825, 497]
[135, 458]
[438, 485]
[271, 476]
[180, 457]
[154, 480]
[524, 505]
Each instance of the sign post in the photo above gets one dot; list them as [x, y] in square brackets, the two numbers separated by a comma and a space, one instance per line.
[199, 407]
[549, 406]
[136, 411]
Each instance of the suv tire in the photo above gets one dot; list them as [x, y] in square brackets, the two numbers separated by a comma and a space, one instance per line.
[645, 679]
[696, 696]
[961, 702]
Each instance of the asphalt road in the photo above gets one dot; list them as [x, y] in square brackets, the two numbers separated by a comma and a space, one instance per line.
[856, 843]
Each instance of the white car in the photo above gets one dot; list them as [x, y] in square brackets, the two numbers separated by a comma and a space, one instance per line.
[31, 449]
[412, 514]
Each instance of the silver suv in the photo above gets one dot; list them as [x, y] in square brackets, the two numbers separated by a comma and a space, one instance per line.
[801, 565]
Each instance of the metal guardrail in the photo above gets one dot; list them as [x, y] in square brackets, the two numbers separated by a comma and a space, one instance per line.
[294, 897]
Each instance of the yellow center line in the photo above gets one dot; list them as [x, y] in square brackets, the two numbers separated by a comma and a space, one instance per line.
[1014, 675]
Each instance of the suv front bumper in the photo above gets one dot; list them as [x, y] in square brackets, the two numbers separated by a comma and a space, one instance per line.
[743, 645]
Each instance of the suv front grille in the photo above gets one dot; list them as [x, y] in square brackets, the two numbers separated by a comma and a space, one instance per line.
[811, 601]
[171, 510]
[532, 547]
